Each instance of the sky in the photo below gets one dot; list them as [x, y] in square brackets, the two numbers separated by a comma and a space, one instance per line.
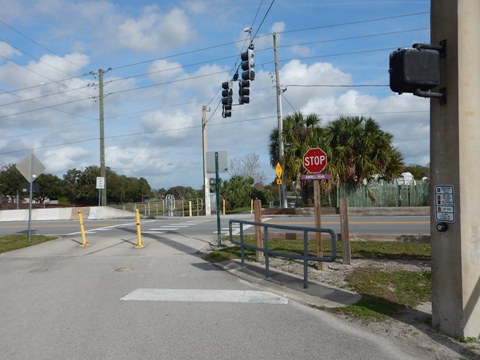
[164, 60]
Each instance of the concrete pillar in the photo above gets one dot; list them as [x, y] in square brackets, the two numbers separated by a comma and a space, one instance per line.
[455, 160]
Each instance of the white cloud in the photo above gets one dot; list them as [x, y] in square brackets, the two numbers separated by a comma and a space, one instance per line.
[163, 70]
[8, 51]
[154, 31]
[59, 161]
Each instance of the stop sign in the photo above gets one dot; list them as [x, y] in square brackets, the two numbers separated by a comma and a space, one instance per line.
[315, 160]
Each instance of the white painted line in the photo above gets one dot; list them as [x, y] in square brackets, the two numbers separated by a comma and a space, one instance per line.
[166, 228]
[153, 232]
[199, 295]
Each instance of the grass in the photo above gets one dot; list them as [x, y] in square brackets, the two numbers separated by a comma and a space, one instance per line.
[359, 249]
[19, 241]
[384, 293]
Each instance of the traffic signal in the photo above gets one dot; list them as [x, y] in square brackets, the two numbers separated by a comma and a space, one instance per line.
[412, 70]
[227, 99]
[243, 92]
[248, 64]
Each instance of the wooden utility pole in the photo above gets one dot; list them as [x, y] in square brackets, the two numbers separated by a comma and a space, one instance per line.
[102, 138]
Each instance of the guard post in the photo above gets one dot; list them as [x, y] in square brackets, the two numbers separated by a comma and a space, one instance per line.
[82, 228]
[139, 231]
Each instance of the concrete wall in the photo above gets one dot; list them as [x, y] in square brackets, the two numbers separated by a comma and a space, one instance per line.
[92, 213]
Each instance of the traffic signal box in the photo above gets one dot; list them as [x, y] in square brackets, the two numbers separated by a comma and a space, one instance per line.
[414, 69]
[227, 99]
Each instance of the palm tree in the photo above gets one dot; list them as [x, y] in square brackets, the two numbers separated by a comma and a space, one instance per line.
[299, 134]
[358, 149]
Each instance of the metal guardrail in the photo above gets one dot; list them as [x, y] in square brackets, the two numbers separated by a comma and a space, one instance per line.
[268, 252]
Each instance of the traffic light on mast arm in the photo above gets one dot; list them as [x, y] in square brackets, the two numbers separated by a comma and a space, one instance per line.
[227, 99]
[243, 92]
[248, 63]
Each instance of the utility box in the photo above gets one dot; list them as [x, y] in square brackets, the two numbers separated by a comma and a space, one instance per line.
[414, 69]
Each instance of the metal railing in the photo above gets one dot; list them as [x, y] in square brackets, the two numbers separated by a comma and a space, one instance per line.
[269, 252]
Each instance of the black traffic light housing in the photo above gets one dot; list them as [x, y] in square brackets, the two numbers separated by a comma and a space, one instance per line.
[248, 63]
[243, 92]
[417, 70]
[412, 69]
[227, 99]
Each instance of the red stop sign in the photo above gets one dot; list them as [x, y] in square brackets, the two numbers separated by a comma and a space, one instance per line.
[315, 160]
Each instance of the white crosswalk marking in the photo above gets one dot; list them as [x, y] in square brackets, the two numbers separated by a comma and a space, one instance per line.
[200, 295]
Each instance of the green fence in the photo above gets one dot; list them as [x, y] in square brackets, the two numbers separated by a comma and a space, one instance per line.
[386, 194]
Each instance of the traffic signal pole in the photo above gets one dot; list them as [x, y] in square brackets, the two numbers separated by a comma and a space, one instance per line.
[455, 170]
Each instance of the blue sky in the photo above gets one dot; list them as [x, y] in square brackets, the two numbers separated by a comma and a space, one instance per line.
[164, 60]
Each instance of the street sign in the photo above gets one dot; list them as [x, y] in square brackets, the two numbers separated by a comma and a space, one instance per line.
[222, 157]
[316, 177]
[444, 203]
[315, 160]
[31, 168]
[279, 181]
[278, 171]
[100, 182]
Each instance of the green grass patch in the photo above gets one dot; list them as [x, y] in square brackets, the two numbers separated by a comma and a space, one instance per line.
[386, 293]
[359, 249]
[19, 241]
[403, 287]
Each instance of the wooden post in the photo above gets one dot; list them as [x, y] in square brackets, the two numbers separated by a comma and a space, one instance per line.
[346, 251]
[318, 221]
[257, 210]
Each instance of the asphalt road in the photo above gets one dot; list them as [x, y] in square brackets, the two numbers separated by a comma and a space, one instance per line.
[111, 301]
[208, 225]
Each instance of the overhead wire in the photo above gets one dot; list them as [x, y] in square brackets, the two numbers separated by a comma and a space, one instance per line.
[305, 29]
[199, 126]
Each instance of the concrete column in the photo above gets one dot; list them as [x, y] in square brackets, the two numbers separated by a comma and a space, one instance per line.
[455, 160]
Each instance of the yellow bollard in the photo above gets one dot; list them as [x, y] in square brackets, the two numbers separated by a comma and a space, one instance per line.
[82, 228]
[139, 231]
[190, 209]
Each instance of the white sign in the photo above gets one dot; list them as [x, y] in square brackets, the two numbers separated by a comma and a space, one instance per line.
[222, 161]
[31, 168]
[444, 203]
[100, 183]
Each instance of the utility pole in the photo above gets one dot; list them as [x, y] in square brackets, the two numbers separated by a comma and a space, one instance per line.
[206, 180]
[454, 149]
[102, 138]
[283, 196]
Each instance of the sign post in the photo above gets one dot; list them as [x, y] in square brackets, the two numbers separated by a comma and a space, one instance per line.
[217, 161]
[315, 161]
[31, 168]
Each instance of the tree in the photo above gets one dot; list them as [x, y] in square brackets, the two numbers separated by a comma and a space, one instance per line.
[10, 180]
[246, 167]
[238, 192]
[50, 187]
[418, 171]
[358, 149]
[299, 134]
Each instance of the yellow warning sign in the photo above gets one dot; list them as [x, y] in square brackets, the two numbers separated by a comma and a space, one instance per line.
[278, 170]
[279, 181]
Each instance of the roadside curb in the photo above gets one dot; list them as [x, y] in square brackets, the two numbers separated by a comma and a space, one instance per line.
[290, 286]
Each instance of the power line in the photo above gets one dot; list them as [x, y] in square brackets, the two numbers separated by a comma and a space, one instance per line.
[36, 43]
[353, 22]
[222, 123]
